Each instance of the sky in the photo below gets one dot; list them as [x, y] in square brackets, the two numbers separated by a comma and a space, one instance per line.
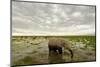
[30, 18]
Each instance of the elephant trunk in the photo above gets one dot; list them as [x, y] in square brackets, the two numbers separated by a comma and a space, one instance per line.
[71, 52]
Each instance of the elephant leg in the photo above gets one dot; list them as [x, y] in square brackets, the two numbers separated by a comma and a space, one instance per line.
[55, 50]
[50, 49]
[60, 50]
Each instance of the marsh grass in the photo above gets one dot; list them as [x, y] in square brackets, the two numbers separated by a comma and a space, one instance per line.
[34, 50]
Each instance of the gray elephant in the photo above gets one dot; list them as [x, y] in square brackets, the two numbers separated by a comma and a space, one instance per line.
[56, 45]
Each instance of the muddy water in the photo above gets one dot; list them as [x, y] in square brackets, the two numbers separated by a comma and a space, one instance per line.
[30, 53]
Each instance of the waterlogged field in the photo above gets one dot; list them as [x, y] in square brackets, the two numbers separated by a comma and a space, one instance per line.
[34, 50]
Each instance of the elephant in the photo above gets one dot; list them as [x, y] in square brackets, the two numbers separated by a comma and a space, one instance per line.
[56, 45]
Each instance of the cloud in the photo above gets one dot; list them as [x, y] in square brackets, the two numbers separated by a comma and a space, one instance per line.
[52, 19]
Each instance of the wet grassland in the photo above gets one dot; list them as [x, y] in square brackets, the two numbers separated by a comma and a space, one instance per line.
[26, 50]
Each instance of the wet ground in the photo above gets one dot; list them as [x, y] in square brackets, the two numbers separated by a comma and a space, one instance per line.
[28, 51]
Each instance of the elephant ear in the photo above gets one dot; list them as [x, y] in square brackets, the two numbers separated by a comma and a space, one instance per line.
[67, 44]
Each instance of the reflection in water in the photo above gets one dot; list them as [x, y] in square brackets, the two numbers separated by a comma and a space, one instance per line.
[55, 57]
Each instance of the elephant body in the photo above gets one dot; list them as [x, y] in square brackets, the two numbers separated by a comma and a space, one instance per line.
[56, 45]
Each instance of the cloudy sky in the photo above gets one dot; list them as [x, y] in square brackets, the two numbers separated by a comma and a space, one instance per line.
[52, 19]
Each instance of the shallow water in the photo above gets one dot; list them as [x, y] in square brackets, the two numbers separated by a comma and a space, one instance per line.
[29, 51]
